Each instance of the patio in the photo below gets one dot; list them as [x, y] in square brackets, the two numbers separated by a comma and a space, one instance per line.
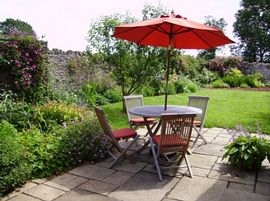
[214, 179]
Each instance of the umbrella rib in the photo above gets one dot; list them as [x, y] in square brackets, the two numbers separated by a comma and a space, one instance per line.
[154, 28]
[210, 46]
[215, 33]
[124, 31]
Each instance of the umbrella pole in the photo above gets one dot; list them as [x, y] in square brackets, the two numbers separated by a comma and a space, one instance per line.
[167, 77]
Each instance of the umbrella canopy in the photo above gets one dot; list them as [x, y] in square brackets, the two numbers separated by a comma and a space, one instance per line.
[172, 31]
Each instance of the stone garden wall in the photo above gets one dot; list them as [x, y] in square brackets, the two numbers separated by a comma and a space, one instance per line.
[71, 69]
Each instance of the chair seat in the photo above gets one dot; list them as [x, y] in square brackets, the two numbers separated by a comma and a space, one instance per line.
[138, 121]
[170, 140]
[197, 122]
[124, 133]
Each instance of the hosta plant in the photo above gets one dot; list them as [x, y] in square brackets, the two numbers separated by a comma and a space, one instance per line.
[247, 151]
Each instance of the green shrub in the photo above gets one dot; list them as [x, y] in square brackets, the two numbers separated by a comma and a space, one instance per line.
[254, 80]
[246, 151]
[42, 152]
[90, 93]
[219, 84]
[25, 64]
[20, 114]
[14, 170]
[171, 88]
[244, 85]
[101, 100]
[185, 85]
[113, 95]
[53, 114]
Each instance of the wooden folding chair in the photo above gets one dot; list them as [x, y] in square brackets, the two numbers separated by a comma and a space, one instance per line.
[174, 137]
[114, 136]
[133, 120]
[200, 102]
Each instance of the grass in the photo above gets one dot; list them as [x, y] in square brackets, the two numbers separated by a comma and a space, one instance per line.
[226, 109]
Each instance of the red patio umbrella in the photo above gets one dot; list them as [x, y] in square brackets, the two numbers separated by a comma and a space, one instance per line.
[172, 31]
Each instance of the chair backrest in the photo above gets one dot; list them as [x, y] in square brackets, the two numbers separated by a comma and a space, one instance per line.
[133, 101]
[175, 132]
[200, 102]
[105, 126]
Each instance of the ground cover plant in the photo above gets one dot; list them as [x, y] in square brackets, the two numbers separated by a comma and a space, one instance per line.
[58, 136]
[227, 108]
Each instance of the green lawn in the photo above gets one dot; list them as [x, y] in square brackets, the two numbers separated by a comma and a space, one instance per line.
[226, 109]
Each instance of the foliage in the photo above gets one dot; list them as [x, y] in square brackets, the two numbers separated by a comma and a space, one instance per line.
[14, 170]
[220, 24]
[219, 83]
[11, 26]
[222, 65]
[25, 64]
[90, 93]
[195, 69]
[61, 137]
[113, 95]
[185, 85]
[247, 151]
[132, 66]
[255, 80]
[19, 114]
[53, 114]
[234, 78]
[252, 27]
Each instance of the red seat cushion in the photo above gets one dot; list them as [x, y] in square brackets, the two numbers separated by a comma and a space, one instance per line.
[197, 123]
[170, 140]
[124, 133]
[141, 121]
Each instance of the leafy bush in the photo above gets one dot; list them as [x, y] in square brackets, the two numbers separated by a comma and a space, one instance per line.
[14, 170]
[185, 85]
[254, 80]
[171, 88]
[58, 114]
[219, 84]
[147, 91]
[90, 92]
[113, 95]
[19, 114]
[247, 151]
[234, 78]
[222, 65]
[24, 60]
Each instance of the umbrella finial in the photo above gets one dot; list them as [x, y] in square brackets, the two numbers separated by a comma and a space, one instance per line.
[172, 12]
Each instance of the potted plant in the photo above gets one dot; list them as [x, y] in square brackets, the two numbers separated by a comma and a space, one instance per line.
[247, 151]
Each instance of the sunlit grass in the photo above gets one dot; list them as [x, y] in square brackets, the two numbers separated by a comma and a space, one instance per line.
[226, 109]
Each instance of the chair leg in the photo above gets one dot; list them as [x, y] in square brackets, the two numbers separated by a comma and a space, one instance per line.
[123, 152]
[188, 166]
[198, 135]
[155, 159]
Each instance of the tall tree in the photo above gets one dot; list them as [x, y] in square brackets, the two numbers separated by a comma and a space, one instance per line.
[220, 24]
[16, 26]
[132, 66]
[252, 27]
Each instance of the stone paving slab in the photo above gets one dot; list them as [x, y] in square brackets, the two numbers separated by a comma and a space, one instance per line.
[118, 178]
[242, 187]
[81, 195]
[92, 172]
[124, 165]
[175, 172]
[221, 140]
[211, 149]
[144, 186]
[23, 197]
[228, 173]
[198, 188]
[263, 188]
[44, 192]
[238, 195]
[264, 176]
[202, 161]
[66, 182]
[98, 187]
